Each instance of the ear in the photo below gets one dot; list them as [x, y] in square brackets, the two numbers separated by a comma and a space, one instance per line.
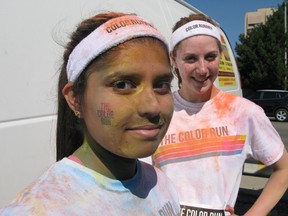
[69, 95]
[172, 57]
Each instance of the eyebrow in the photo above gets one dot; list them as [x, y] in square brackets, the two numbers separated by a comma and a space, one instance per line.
[123, 75]
[130, 75]
[168, 76]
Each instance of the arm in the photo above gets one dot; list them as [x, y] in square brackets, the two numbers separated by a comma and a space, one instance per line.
[274, 189]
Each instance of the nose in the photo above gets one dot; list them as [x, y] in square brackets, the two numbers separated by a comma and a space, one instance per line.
[148, 104]
[202, 67]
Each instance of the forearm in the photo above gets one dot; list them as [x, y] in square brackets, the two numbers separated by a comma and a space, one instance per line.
[273, 190]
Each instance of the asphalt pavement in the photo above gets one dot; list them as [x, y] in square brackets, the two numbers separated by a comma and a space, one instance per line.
[247, 197]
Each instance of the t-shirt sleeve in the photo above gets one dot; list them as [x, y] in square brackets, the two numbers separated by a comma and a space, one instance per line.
[266, 143]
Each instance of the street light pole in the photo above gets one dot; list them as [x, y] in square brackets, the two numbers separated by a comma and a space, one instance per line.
[285, 55]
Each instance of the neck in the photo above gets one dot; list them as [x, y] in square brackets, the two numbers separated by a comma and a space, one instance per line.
[198, 98]
[97, 158]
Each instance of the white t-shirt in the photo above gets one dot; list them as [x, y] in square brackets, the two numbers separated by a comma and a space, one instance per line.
[68, 188]
[206, 145]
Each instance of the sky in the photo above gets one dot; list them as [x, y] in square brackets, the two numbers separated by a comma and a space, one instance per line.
[230, 14]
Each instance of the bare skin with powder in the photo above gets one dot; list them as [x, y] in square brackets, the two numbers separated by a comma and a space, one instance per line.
[114, 107]
[127, 109]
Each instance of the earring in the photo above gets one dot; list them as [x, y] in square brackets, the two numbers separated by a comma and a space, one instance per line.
[77, 114]
[174, 68]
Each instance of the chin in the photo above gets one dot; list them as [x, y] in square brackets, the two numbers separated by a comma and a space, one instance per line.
[205, 89]
[146, 151]
[147, 154]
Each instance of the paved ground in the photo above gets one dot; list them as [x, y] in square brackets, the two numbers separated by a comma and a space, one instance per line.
[250, 189]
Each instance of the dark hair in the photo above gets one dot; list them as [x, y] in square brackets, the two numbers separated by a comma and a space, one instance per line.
[182, 22]
[70, 129]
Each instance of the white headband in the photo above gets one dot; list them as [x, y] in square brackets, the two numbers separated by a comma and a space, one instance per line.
[195, 27]
[108, 35]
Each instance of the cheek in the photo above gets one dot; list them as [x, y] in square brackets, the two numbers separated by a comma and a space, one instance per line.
[105, 113]
[97, 111]
[168, 106]
[214, 68]
[122, 111]
[186, 69]
[114, 113]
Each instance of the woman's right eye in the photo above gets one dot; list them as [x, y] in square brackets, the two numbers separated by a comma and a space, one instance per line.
[190, 59]
[123, 85]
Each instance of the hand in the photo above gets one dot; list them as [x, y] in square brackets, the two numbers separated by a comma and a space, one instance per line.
[230, 210]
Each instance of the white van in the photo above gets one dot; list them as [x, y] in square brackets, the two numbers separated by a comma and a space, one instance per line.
[29, 61]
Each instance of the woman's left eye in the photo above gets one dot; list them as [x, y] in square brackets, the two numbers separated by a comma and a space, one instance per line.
[211, 57]
[163, 87]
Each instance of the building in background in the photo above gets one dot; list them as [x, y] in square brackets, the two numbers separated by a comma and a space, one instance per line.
[253, 19]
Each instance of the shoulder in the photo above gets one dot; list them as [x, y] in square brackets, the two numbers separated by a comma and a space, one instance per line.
[161, 181]
[237, 101]
[153, 172]
[46, 191]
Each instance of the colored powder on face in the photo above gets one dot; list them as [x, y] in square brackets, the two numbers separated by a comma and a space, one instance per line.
[105, 113]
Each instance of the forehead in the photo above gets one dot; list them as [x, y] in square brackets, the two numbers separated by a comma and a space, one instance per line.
[198, 42]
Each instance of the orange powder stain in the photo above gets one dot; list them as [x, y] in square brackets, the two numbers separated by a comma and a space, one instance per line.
[225, 104]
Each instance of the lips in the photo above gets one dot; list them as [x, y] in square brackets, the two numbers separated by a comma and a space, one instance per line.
[200, 79]
[146, 131]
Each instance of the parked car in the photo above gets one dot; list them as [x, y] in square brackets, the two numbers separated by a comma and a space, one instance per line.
[274, 102]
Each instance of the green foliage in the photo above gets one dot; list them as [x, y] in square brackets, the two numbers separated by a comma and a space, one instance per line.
[261, 60]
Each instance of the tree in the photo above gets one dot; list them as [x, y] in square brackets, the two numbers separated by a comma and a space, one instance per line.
[261, 54]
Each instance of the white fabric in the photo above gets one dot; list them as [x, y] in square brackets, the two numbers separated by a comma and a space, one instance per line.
[195, 27]
[68, 188]
[106, 36]
[205, 147]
